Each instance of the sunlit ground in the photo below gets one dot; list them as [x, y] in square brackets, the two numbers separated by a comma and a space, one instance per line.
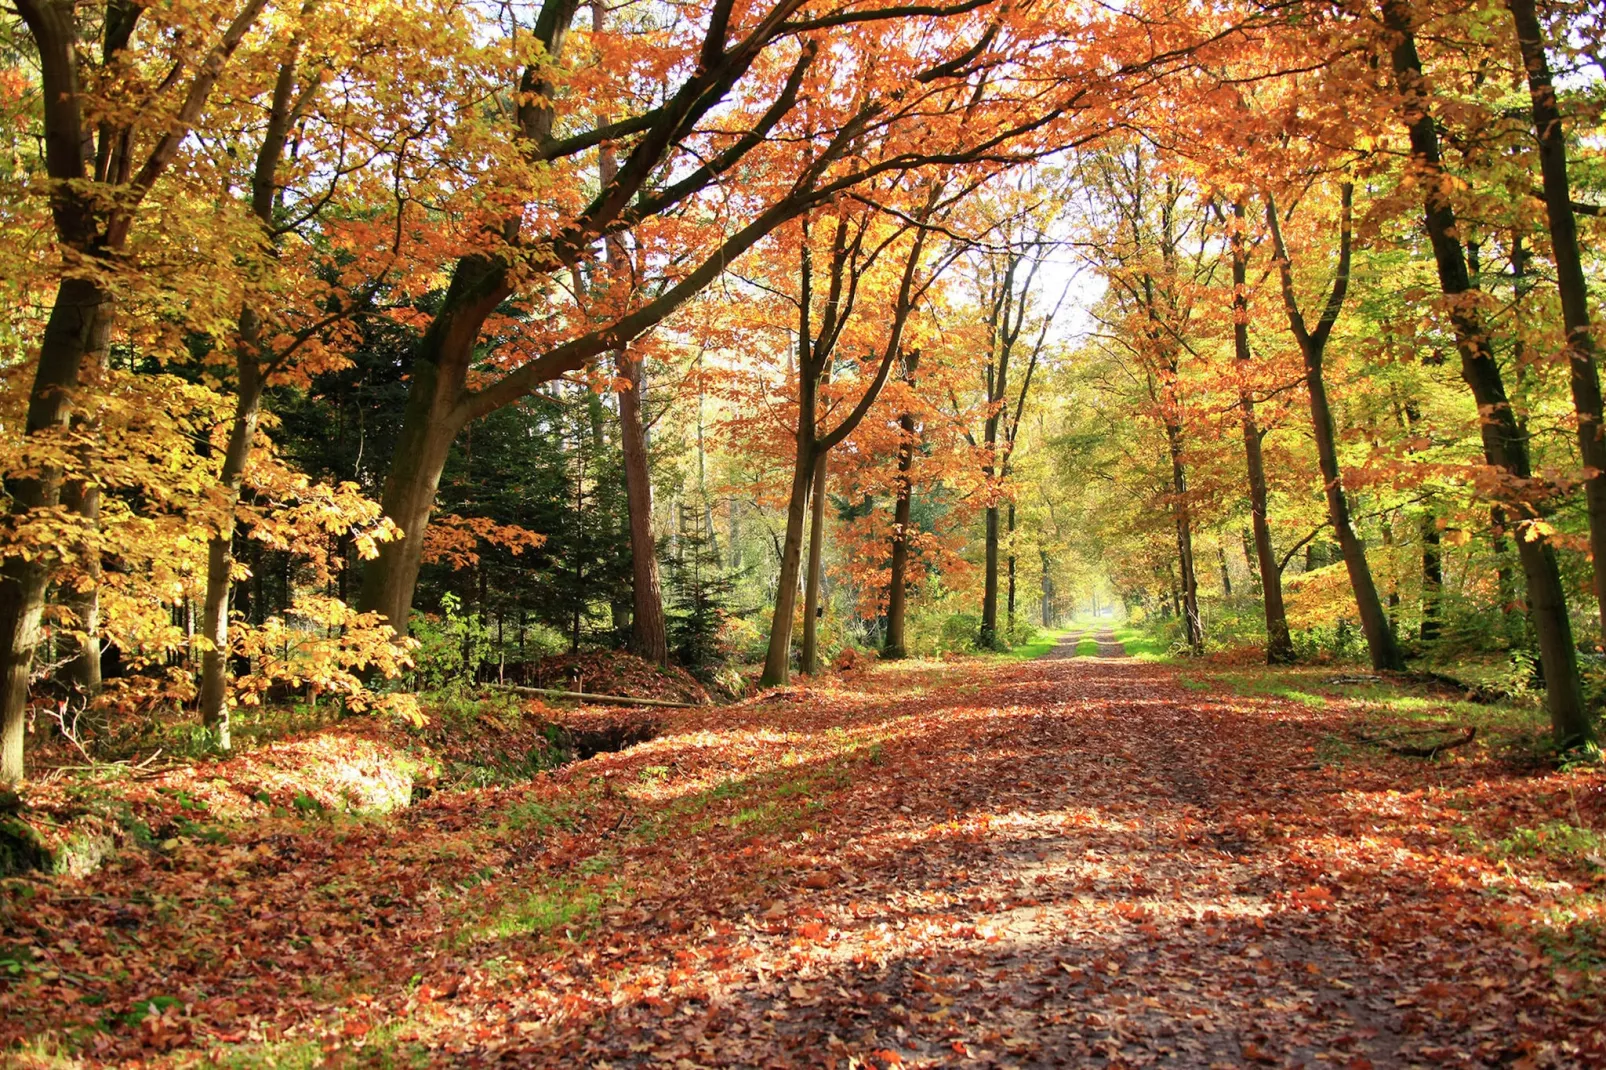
[1048, 863]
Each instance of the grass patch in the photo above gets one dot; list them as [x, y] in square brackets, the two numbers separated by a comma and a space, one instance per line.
[1140, 643]
[1036, 647]
[560, 905]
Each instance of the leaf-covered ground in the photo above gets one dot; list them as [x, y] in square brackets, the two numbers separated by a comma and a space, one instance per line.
[1065, 861]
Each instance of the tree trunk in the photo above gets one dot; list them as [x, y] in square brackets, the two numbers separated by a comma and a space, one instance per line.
[1226, 575]
[1009, 597]
[989, 598]
[778, 658]
[68, 338]
[1432, 578]
[1279, 644]
[1504, 446]
[1193, 627]
[648, 636]
[1571, 283]
[220, 553]
[897, 583]
[83, 671]
[1048, 590]
[1385, 653]
[809, 659]
[409, 495]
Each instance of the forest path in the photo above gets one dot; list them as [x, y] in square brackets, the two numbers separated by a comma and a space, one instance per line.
[1051, 863]
[1109, 645]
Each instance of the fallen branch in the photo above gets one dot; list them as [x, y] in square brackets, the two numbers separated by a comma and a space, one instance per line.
[1430, 751]
[595, 700]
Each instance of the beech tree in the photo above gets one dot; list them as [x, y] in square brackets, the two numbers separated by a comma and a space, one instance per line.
[1505, 447]
[1312, 344]
[102, 157]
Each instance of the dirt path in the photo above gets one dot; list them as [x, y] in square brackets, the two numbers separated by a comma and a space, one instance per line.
[1109, 646]
[1066, 647]
[1058, 863]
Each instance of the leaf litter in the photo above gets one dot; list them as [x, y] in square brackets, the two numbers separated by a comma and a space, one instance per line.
[1042, 864]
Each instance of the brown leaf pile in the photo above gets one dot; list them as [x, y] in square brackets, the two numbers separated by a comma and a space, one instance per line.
[1049, 864]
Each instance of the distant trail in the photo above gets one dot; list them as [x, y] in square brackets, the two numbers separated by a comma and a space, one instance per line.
[1065, 648]
[1109, 646]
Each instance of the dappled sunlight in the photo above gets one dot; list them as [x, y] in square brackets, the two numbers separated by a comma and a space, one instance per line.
[1058, 862]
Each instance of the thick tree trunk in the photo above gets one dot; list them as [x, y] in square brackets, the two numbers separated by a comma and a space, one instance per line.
[68, 338]
[409, 494]
[1380, 644]
[648, 636]
[778, 658]
[1571, 283]
[1504, 446]
[220, 552]
[809, 658]
[897, 583]
[1193, 626]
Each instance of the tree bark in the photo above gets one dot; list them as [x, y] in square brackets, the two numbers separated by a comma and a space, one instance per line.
[1193, 629]
[1432, 578]
[220, 560]
[1279, 643]
[897, 582]
[778, 658]
[1009, 569]
[989, 598]
[94, 227]
[68, 339]
[1048, 589]
[809, 659]
[648, 635]
[1571, 283]
[1504, 446]
[1380, 644]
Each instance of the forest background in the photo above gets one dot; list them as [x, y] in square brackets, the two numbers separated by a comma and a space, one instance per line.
[359, 351]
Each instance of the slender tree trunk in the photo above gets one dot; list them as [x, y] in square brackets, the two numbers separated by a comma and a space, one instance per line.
[1193, 627]
[1009, 566]
[1505, 448]
[648, 636]
[1385, 653]
[989, 598]
[1571, 283]
[897, 583]
[83, 671]
[809, 657]
[778, 658]
[1048, 590]
[1380, 643]
[1226, 575]
[220, 556]
[1279, 644]
[1432, 578]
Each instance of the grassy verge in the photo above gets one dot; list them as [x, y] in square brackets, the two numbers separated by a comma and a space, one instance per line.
[1035, 648]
